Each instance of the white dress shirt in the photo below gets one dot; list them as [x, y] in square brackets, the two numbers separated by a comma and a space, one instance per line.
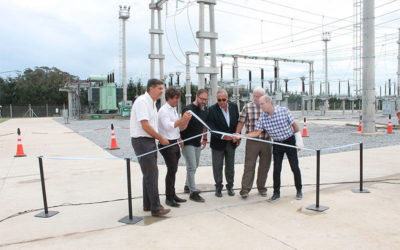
[226, 115]
[167, 116]
[144, 108]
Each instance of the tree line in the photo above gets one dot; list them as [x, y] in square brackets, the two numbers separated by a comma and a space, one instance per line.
[35, 86]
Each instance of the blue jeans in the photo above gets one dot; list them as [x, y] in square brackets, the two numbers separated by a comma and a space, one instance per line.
[192, 158]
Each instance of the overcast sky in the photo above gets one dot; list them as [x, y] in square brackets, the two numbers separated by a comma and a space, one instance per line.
[82, 37]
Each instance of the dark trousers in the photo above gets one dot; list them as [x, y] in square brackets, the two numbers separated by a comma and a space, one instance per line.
[171, 157]
[291, 153]
[218, 157]
[148, 165]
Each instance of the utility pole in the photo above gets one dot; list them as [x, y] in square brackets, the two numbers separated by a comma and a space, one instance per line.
[250, 93]
[236, 96]
[123, 16]
[188, 84]
[326, 36]
[303, 94]
[311, 102]
[276, 77]
[368, 67]
[262, 78]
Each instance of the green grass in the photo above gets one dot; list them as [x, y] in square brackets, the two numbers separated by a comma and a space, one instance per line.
[3, 119]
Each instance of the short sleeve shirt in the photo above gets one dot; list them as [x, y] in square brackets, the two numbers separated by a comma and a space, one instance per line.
[144, 108]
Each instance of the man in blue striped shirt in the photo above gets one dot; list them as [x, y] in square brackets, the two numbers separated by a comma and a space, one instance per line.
[279, 123]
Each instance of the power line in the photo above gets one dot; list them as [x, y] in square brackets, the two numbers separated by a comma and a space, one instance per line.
[301, 32]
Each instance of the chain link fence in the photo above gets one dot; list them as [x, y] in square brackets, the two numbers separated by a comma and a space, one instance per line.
[18, 111]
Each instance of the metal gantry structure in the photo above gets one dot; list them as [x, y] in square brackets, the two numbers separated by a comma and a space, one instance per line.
[159, 32]
[276, 89]
[202, 35]
[363, 42]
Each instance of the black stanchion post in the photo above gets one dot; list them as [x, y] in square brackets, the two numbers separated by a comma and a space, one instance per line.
[130, 219]
[46, 213]
[361, 190]
[317, 207]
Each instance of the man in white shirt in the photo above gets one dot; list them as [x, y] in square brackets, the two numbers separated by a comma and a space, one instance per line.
[169, 126]
[143, 131]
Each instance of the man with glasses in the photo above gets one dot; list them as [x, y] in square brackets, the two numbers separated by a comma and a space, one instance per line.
[223, 117]
[279, 123]
[191, 148]
[254, 149]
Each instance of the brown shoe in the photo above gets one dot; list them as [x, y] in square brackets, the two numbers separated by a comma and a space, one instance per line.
[146, 209]
[161, 212]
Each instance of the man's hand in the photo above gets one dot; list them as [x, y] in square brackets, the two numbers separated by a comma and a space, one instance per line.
[164, 141]
[299, 140]
[227, 138]
[236, 138]
[203, 144]
[181, 143]
[187, 116]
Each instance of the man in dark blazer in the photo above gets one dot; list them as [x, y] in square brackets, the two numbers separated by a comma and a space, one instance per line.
[223, 117]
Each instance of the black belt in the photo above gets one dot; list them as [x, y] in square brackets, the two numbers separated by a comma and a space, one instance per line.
[290, 137]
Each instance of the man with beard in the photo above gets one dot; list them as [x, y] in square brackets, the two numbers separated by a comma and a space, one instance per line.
[192, 148]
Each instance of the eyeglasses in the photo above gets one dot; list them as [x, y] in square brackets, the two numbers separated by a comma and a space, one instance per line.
[221, 100]
[203, 99]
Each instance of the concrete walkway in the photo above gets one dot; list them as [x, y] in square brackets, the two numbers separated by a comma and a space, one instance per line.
[354, 221]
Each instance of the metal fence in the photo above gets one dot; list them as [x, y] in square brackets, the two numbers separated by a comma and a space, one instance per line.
[17, 111]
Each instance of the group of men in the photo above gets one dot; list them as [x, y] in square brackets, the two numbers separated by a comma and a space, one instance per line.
[188, 134]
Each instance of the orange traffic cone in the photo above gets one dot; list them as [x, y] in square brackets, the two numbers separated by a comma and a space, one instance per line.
[390, 129]
[113, 139]
[360, 125]
[305, 134]
[20, 149]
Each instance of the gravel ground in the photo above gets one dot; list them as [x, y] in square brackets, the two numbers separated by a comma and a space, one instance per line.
[320, 136]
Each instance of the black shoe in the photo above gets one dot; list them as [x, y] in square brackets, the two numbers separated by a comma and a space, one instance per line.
[218, 193]
[177, 199]
[274, 197]
[186, 189]
[196, 197]
[231, 192]
[172, 203]
[299, 195]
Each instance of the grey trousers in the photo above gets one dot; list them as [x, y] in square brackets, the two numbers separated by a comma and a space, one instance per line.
[255, 149]
[218, 157]
[148, 165]
[192, 157]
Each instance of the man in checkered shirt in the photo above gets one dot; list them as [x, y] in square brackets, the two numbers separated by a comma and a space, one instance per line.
[278, 122]
[254, 149]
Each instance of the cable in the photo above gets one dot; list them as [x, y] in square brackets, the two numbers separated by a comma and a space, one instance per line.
[385, 181]
[283, 37]
[387, 22]
[266, 12]
[169, 44]
[311, 29]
